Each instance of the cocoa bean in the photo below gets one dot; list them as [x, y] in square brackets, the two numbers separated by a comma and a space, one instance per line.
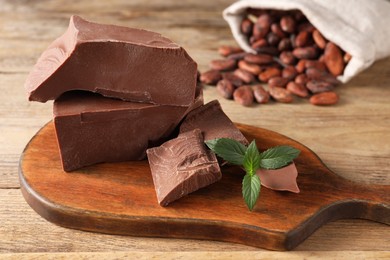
[301, 79]
[250, 67]
[307, 27]
[236, 56]
[259, 43]
[253, 39]
[236, 81]
[297, 89]
[289, 72]
[246, 26]
[277, 82]
[316, 74]
[330, 79]
[301, 66]
[273, 39]
[287, 58]
[284, 44]
[287, 24]
[319, 40]
[315, 64]
[324, 99]
[302, 39]
[210, 77]
[292, 40]
[258, 58]
[264, 21]
[260, 94]
[243, 95]
[262, 26]
[318, 86]
[275, 28]
[281, 94]
[305, 53]
[245, 76]
[228, 50]
[333, 59]
[269, 73]
[223, 65]
[267, 50]
[321, 59]
[225, 88]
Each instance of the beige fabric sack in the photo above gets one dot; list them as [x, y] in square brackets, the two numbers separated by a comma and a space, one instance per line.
[361, 28]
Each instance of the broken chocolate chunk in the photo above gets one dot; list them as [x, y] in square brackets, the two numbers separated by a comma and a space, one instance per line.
[92, 129]
[284, 178]
[181, 166]
[118, 62]
[213, 123]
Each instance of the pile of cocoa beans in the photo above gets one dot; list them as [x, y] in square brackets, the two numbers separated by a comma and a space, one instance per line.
[292, 57]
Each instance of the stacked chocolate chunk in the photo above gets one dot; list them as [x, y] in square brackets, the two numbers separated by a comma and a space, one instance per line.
[146, 84]
[119, 91]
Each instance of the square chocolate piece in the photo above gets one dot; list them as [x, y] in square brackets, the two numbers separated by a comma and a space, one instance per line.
[181, 166]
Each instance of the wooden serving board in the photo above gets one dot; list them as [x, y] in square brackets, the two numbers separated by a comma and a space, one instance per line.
[119, 198]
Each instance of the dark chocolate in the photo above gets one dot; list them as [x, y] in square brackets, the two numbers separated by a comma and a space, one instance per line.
[213, 123]
[118, 62]
[92, 129]
[181, 166]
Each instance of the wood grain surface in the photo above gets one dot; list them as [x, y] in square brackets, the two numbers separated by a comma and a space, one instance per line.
[352, 138]
[237, 255]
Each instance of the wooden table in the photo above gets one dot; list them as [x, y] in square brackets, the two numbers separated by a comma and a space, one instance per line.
[352, 138]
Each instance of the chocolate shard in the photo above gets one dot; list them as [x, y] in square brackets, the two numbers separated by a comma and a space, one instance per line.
[213, 123]
[284, 179]
[93, 129]
[181, 166]
[117, 62]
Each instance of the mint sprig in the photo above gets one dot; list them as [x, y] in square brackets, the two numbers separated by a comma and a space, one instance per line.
[251, 159]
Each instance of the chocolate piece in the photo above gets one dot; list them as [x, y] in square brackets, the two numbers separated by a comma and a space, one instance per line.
[213, 123]
[118, 62]
[92, 129]
[280, 179]
[181, 166]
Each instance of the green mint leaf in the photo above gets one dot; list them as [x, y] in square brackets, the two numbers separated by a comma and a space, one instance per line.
[252, 158]
[251, 189]
[278, 157]
[228, 149]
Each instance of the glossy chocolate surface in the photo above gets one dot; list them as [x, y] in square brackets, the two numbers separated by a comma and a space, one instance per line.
[213, 123]
[93, 129]
[118, 62]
